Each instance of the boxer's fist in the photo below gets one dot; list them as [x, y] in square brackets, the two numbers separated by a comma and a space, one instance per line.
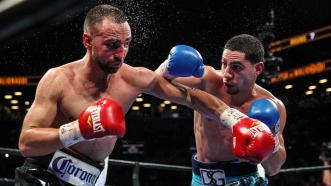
[266, 110]
[104, 117]
[252, 140]
[182, 61]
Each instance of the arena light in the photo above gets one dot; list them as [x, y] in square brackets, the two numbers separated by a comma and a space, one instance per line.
[8, 96]
[321, 81]
[173, 107]
[312, 87]
[288, 86]
[14, 81]
[309, 92]
[162, 105]
[147, 105]
[27, 103]
[310, 36]
[328, 89]
[135, 108]
[314, 68]
[18, 93]
[13, 101]
[139, 99]
[7, 155]
[14, 107]
[167, 102]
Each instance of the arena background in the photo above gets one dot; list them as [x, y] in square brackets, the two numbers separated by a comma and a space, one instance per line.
[38, 35]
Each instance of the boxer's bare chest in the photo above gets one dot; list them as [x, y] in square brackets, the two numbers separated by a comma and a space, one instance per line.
[214, 128]
[77, 95]
[213, 140]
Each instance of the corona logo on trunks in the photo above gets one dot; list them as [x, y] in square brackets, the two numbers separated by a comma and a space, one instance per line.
[64, 168]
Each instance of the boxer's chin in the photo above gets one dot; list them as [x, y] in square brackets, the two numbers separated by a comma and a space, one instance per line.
[110, 69]
[232, 90]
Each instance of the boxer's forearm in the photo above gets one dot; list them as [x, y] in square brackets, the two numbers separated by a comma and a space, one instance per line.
[39, 141]
[196, 99]
[273, 164]
[205, 103]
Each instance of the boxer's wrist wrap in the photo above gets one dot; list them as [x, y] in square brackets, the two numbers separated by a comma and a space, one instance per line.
[70, 134]
[277, 145]
[231, 116]
[163, 70]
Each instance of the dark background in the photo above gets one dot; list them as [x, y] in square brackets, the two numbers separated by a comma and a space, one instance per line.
[37, 35]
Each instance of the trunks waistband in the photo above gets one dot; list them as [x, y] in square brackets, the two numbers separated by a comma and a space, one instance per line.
[68, 166]
[230, 168]
[43, 161]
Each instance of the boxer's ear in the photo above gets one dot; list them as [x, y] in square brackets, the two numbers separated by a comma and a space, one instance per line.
[87, 41]
[259, 68]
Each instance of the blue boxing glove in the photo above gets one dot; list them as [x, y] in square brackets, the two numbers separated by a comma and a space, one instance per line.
[183, 61]
[266, 111]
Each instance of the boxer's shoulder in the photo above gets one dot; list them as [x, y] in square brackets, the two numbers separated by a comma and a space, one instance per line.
[264, 93]
[136, 73]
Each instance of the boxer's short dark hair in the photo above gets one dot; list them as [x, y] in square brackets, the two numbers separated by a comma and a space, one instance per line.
[248, 44]
[100, 12]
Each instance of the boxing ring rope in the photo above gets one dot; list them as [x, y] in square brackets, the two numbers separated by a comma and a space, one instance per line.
[137, 165]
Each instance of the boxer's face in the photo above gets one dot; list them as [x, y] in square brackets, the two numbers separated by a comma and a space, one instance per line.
[239, 74]
[110, 44]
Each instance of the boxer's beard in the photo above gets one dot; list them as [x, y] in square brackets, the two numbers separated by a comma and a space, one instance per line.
[232, 90]
[108, 66]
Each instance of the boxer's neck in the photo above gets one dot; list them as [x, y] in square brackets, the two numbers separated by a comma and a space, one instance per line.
[91, 72]
[242, 97]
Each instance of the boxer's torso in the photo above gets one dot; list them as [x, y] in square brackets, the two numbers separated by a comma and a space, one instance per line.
[78, 93]
[213, 140]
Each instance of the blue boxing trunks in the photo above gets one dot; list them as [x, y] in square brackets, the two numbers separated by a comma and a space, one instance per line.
[226, 173]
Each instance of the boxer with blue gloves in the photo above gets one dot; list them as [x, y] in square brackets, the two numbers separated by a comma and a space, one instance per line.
[254, 120]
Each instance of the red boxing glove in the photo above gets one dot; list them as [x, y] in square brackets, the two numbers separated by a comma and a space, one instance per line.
[252, 140]
[103, 118]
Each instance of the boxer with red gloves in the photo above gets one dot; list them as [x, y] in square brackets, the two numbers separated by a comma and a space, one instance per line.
[252, 140]
[250, 129]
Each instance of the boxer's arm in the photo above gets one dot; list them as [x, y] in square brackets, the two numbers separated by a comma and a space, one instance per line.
[37, 137]
[154, 84]
[275, 161]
